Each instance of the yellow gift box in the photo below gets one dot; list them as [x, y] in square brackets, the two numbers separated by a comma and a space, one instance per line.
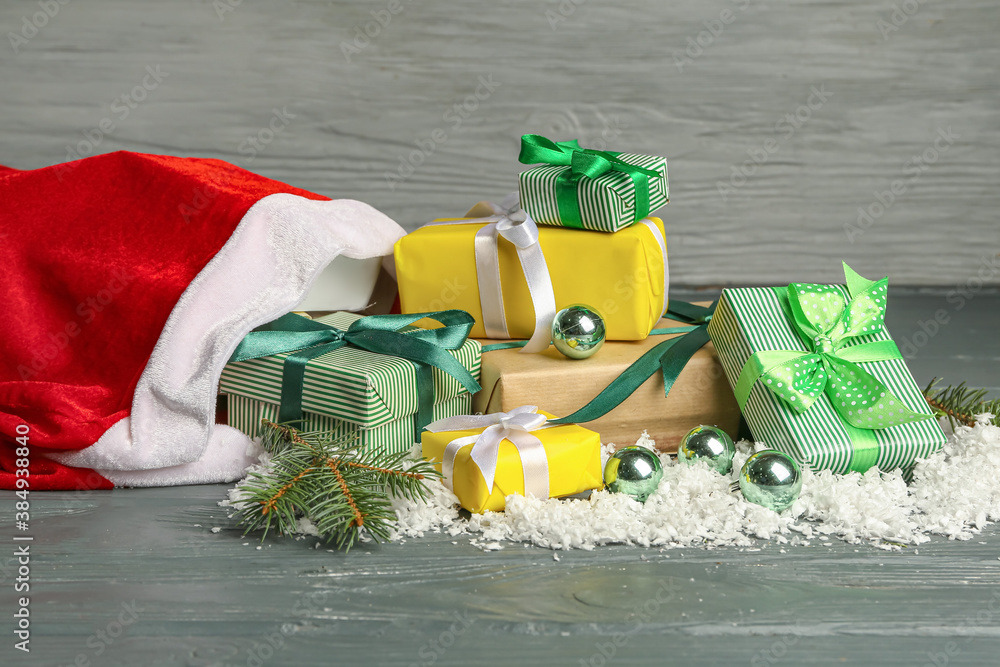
[572, 456]
[621, 274]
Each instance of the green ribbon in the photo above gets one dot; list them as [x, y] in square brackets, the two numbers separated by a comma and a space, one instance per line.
[507, 345]
[583, 163]
[669, 357]
[425, 348]
[828, 325]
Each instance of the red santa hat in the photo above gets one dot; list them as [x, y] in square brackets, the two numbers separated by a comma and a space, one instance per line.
[128, 281]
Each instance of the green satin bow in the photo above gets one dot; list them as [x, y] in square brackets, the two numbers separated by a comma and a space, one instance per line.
[828, 324]
[583, 162]
[425, 348]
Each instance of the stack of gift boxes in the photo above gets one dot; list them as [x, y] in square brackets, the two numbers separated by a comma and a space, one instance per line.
[580, 232]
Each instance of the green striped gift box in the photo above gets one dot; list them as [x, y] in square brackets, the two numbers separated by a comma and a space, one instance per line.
[349, 384]
[393, 437]
[749, 320]
[607, 203]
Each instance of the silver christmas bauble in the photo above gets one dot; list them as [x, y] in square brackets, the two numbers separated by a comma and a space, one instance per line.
[634, 471]
[772, 479]
[708, 443]
[578, 331]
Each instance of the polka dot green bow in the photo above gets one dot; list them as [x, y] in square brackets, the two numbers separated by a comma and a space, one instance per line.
[829, 326]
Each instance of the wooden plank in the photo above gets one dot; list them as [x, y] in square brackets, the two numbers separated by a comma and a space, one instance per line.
[203, 598]
[597, 75]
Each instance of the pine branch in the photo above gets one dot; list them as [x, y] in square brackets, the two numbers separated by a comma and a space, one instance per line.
[959, 403]
[341, 488]
[272, 501]
[359, 519]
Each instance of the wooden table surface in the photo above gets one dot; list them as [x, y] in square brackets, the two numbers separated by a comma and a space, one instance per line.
[137, 577]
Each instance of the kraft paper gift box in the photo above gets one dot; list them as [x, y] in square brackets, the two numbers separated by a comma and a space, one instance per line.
[820, 378]
[623, 275]
[589, 189]
[349, 390]
[555, 461]
[700, 395]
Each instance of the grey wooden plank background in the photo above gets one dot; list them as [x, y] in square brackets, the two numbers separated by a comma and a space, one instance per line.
[710, 84]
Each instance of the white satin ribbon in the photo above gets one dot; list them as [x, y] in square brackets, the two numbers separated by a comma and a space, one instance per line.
[515, 426]
[513, 224]
[649, 224]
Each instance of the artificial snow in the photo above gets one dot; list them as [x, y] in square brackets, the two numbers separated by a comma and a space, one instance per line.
[954, 493]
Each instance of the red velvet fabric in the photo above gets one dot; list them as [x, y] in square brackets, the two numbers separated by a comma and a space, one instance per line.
[94, 255]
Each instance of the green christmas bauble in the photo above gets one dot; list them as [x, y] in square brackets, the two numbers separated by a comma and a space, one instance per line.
[708, 443]
[578, 331]
[634, 471]
[771, 479]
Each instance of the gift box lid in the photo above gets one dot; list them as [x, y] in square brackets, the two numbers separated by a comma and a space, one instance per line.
[355, 385]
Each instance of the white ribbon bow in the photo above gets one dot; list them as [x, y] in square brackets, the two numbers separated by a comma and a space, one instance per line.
[510, 222]
[515, 426]
[510, 206]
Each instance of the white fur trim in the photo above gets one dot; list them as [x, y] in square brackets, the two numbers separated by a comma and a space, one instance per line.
[225, 459]
[262, 272]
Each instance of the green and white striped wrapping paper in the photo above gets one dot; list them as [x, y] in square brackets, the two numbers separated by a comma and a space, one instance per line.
[391, 438]
[607, 203]
[354, 385]
[749, 320]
